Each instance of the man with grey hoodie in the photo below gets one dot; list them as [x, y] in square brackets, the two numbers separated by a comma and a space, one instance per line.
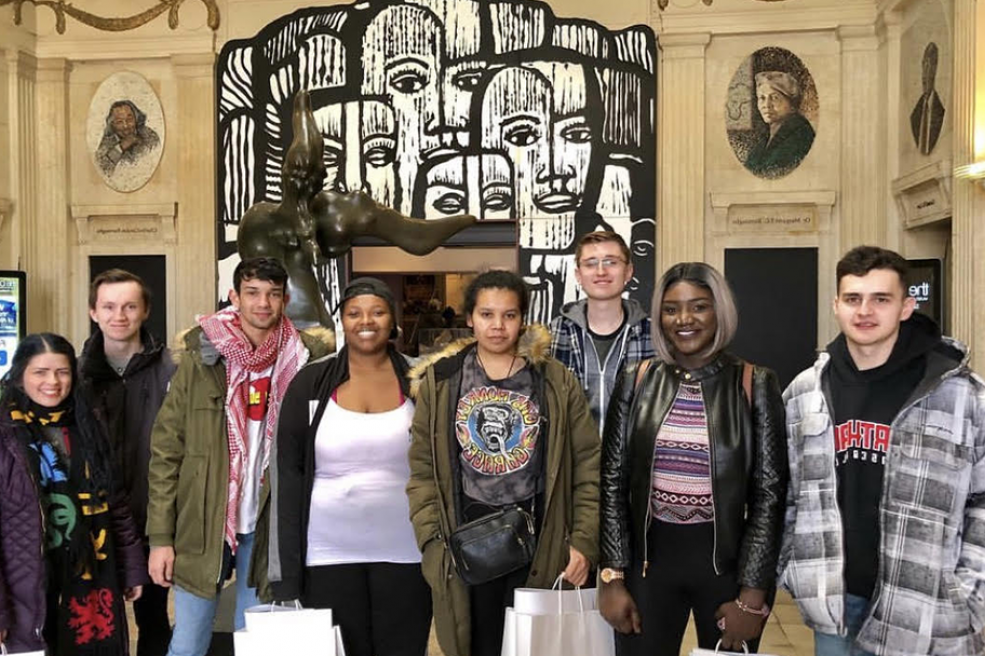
[598, 335]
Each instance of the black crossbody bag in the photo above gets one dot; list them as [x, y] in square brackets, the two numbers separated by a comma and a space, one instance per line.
[502, 542]
[494, 545]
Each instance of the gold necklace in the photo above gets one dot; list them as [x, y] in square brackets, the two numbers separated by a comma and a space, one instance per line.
[509, 372]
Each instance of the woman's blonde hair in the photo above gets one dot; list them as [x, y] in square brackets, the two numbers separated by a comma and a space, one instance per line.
[726, 312]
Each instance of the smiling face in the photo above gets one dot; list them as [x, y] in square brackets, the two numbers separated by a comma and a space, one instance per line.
[689, 322]
[366, 323]
[120, 311]
[261, 304]
[496, 320]
[870, 308]
[48, 379]
[603, 271]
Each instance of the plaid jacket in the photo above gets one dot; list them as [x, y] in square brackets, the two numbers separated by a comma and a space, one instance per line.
[930, 590]
[571, 345]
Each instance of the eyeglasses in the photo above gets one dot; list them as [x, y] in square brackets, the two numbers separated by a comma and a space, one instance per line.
[607, 263]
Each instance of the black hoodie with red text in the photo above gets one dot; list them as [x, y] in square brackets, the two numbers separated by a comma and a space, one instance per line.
[864, 405]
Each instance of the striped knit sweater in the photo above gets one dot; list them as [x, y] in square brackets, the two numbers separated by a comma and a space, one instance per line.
[681, 480]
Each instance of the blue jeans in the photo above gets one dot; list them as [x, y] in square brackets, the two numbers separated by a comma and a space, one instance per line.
[194, 615]
[856, 610]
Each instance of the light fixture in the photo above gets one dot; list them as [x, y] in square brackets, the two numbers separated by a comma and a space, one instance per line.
[975, 172]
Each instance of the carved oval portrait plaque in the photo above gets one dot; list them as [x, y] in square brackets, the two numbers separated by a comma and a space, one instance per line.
[771, 112]
[125, 131]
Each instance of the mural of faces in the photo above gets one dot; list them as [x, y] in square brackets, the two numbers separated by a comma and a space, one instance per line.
[495, 108]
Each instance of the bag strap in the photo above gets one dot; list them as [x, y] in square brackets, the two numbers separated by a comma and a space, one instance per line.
[641, 371]
[747, 368]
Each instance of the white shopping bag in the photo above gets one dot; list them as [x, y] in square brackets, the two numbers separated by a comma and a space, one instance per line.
[717, 651]
[535, 601]
[578, 631]
[287, 631]
[4, 652]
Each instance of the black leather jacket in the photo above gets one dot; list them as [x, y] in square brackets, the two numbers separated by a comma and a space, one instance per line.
[748, 460]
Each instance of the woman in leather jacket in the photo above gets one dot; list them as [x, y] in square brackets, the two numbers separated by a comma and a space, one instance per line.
[693, 481]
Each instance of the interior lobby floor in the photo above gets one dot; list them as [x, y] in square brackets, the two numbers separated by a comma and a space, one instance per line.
[785, 633]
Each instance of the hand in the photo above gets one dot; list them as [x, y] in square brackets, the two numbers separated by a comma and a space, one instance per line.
[133, 594]
[739, 626]
[3, 635]
[160, 565]
[576, 573]
[618, 608]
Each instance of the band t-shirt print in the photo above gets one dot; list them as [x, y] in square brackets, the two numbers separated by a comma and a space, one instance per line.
[497, 423]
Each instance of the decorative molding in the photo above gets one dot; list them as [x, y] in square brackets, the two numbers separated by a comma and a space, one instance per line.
[116, 223]
[762, 18]
[6, 205]
[662, 4]
[924, 196]
[778, 212]
[62, 8]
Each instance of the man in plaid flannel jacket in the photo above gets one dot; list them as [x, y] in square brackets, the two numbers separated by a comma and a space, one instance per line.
[884, 544]
[598, 335]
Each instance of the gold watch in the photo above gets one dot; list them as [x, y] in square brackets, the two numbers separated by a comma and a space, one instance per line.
[608, 575]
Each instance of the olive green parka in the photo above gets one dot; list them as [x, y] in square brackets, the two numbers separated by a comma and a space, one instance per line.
[571, 516]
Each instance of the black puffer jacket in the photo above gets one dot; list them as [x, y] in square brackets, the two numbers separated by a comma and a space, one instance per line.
[748, 456]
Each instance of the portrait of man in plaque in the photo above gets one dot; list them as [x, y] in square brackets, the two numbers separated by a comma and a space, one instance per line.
[125, 131]
[927, 117]
[127, 137]
[771, 113]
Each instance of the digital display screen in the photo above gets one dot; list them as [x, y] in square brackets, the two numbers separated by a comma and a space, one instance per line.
[925, 283]
[12, 320]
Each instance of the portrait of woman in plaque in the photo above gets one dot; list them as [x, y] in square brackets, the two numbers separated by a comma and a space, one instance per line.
[771, 112]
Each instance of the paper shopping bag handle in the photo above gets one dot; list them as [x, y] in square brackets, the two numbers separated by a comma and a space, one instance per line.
[745, 647]
[560, 598]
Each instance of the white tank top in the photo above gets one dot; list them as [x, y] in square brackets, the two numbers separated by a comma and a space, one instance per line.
[359, 508]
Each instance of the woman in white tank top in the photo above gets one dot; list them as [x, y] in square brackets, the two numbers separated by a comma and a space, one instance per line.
[343, 534]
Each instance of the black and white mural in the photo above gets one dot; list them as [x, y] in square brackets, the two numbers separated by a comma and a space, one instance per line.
[438, 107]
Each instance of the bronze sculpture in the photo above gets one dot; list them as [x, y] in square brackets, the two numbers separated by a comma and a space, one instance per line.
[310, 224]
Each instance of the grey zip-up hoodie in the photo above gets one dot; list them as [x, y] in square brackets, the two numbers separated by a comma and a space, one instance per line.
[572, 344]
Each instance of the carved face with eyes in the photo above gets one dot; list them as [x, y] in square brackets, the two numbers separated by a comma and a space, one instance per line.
[481, 185]
[537, 116]
[360, 148]
[463, 67]
[402, 48]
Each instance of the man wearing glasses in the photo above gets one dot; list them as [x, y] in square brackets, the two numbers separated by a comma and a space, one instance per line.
[599, 334]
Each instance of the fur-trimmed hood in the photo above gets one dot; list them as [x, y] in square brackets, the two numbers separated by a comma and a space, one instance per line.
[534, 345]
[194, 340]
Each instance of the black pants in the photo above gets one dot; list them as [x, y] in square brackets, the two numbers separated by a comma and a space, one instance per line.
[153, 625]
[383, 609]
[680, 579]
[488, 611]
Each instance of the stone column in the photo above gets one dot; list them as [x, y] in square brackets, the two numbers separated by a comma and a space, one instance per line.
[967, 274]
[681, 158]
[21, 94]
[194, 140]
[863, 138]
[49, 274]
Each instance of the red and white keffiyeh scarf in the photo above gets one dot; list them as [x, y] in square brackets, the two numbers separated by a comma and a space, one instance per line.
[284, 350]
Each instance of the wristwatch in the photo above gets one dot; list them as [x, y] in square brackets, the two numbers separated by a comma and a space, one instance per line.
[608, 575]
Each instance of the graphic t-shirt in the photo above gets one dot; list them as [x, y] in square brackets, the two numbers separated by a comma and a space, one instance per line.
[497, 423]
[256, 424]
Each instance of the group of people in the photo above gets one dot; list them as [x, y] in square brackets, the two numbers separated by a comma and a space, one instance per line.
[636, 453]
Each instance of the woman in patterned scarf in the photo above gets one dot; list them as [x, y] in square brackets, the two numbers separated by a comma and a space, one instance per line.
[70, 554]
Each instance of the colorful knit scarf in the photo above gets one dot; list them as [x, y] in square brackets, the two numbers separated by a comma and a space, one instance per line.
[90, 619]
[286, 353]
